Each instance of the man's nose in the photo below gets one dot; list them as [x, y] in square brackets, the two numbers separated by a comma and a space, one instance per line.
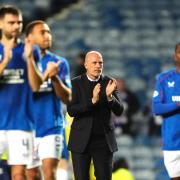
[98, 65]
[17, 25]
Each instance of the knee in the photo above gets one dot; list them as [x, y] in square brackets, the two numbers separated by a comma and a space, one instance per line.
[18, 172]
[49, 174]
[33, 174]
[18, 176]
[49, 168]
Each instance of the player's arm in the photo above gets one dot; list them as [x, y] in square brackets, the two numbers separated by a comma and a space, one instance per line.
[7, 55]
[163, 108]
[3, 64]
[34, 76]
[62, 90]
[159, 106]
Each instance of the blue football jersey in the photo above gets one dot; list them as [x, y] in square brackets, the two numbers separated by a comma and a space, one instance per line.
[15, 92]
[47, 108]
[164, 102]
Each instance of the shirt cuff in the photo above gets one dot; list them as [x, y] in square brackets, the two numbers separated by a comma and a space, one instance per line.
[110, 98]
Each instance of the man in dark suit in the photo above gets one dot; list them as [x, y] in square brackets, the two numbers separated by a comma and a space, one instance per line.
[92, 137]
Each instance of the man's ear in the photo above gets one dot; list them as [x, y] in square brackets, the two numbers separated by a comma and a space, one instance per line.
[85, 64]
[29, 36]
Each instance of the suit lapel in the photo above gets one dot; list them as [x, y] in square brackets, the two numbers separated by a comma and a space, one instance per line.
[104, 82]
[85, 87]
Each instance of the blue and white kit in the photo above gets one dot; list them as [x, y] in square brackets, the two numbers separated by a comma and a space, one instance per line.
[15, 92]
[47, 109]
[164, 102]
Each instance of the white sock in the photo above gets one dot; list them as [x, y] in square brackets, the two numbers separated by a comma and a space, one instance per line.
[61, 174]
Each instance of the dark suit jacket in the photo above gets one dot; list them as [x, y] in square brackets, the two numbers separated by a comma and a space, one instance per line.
[81, 108]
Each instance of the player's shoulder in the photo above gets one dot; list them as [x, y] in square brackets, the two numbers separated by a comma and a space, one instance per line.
[166, 74]
[56, 57]
[51, 55]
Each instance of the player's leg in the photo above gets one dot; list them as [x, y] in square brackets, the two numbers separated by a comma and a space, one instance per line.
[49, 168]
[18, 172]
[172, 164]
[20, 151]
[62, 170]
[33, 171]
[50, 150]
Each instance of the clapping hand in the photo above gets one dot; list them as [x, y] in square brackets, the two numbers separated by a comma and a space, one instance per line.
[111, 86]
[96, 91]
[28, 49]
[52, 70]
[8, 50]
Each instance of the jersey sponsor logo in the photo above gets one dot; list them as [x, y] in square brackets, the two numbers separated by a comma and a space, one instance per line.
[155, 94]
[176, 98]
[12, 76]
[45, 86]
[171, 84]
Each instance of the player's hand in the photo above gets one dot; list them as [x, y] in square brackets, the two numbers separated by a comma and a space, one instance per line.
[111, 86]
[52, 70]
[28, 49]
[96, 92]
[8, 50]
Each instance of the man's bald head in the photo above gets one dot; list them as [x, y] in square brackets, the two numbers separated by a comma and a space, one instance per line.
[93, 64]
[93, 54]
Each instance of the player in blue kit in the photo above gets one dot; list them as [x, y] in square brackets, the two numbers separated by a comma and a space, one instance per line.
[47, 109]
[166, 102]
[17, 76]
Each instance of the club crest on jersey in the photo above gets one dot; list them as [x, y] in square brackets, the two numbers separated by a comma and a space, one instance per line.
[171, 84]
[155, 94]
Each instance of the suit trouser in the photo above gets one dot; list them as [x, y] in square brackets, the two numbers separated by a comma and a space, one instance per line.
[102, 160]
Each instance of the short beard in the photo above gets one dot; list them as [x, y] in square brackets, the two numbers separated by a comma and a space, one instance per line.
[9, 36]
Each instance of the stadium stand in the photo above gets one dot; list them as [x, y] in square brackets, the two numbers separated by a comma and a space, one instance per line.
[137, 40]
